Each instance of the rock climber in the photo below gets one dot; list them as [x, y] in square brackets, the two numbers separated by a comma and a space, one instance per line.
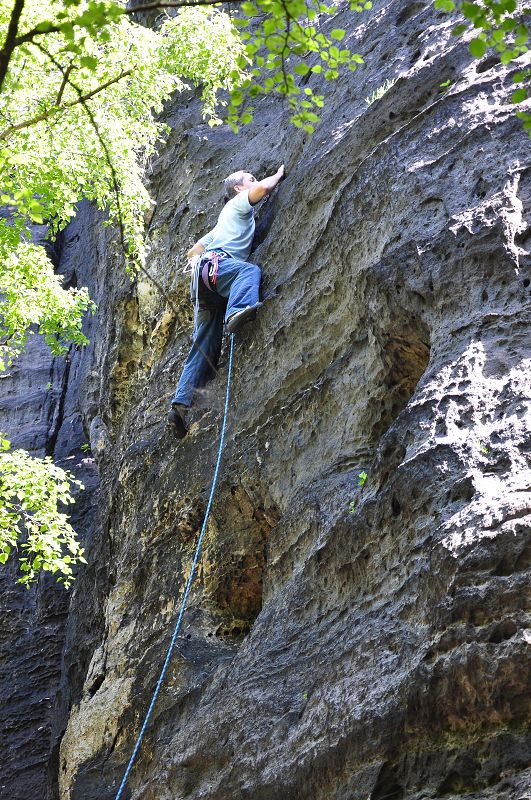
[224, 286]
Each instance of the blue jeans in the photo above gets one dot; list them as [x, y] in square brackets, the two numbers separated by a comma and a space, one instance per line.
[237, 286]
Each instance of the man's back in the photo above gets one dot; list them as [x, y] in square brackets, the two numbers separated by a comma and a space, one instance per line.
[234, 230]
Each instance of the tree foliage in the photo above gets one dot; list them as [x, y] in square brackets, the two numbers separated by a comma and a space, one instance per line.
[288, 34]
[78, 119]
[31, 492]
[500, 26]
[81, 87]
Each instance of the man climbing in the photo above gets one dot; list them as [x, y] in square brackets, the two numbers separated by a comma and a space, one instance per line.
[225, 287]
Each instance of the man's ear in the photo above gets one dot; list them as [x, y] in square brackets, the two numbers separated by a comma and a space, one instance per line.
[238, 188]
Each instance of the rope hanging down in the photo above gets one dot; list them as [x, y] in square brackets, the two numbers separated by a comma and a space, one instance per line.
[188, 585]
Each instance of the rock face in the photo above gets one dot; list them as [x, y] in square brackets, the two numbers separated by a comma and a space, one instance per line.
[340, 643]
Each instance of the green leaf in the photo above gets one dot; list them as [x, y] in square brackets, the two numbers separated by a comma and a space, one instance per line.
[521, 35]
[472, 10]
[301, 69]
[445, 5]
[519, 96]
[507, 57]
[478, 48]
[67, 29]
[338, 34]
[89, 62]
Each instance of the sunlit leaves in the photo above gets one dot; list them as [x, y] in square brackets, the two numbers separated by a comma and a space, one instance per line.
[478, 47]
[32, 492]
[78, 118]
[287, 41]
[201, 45]
[500, 26]
[32, 296]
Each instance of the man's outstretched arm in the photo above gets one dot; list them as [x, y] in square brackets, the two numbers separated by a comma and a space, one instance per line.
[266, 186]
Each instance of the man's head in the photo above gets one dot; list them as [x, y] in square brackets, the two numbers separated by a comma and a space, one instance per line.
[238, 182]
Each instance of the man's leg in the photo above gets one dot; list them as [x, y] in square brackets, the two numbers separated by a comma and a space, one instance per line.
[239, 282]
[202, 359]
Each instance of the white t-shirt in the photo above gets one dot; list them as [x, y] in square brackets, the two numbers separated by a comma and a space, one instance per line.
[234, 230]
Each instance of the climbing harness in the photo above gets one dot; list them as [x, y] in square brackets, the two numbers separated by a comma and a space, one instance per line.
[189, 582]
[204, 267]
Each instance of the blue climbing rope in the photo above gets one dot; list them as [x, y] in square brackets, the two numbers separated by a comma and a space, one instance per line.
[188, 585]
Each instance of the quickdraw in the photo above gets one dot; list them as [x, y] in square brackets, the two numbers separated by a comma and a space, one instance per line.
[209, 268]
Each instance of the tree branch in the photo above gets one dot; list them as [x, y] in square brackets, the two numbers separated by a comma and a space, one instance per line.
[63, 83]
[82, 98]
[181, 4]
[11, 39]
[27, 37]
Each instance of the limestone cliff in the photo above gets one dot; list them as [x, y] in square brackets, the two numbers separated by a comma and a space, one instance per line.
[340, 643]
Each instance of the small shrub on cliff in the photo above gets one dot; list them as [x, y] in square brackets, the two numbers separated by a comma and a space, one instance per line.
[362, 477]
[380, 91]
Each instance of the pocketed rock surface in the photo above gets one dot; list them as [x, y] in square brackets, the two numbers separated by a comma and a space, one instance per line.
[341, 642]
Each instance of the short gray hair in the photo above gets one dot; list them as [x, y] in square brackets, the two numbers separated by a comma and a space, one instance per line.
[233, 180]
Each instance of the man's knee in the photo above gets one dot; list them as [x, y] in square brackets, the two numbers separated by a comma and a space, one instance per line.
[254, 271]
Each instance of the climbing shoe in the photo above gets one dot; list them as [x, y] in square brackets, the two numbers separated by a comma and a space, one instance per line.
[177, 420]
[235, 322]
